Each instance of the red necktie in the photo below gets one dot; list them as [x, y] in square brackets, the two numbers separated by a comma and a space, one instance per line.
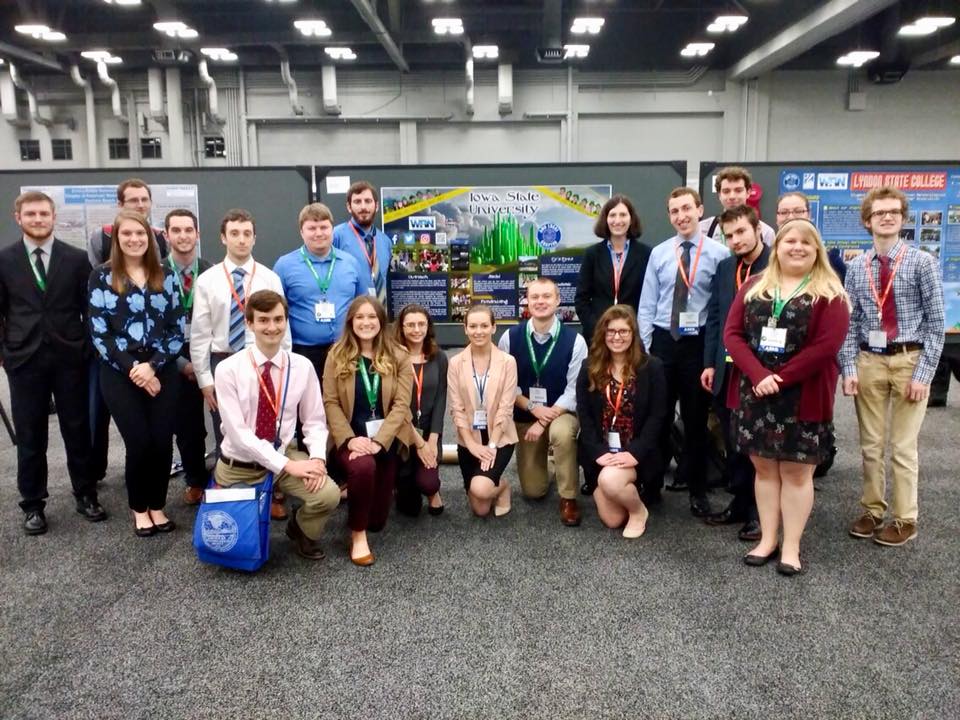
[187, 279]
[266, 415]
[888, 320]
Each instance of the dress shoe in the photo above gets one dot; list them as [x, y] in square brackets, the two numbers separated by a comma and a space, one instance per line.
[90, 509]
[700, 506]
[193, 495]
[362, 561]
[750, 532]
[144, 531]
[569, 512]
[789, 570]
[165, 527]
[277, 509]
[35, 523]
[587, 488]
[759, 560]
[435, 510]
[304, 546]
[728, 516]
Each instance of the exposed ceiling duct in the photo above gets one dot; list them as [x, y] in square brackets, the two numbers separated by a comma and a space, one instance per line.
[115, 103]
[155, 95]
[213, 101]
[288, 80]
[31, 98]
[328, 75]
[369, 15]
[91, 113]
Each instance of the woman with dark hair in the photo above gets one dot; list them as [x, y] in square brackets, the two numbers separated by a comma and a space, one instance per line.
[612, 270]
[622, 402]
[419, 473]
[366, 394]
[482, 387]
[137, 327]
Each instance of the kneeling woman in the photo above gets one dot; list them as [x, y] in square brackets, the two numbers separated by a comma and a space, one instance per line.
[366, 394]
[481, 388]
[622, 403]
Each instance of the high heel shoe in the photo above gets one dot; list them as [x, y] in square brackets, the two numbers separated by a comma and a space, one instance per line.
[362, 561]
[435, 510]
[760, 560]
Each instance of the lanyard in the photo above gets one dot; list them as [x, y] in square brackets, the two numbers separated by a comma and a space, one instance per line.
[739, 267]
[363, 247]
[418, 381]
[275, 403]
[233, 290]
[618, 270]
[41, 283]
[693, 269]
[779, 305]
[881, 300]
[615, 406]
[481, 387]
[539, 366]
[186, 299]
[372, 389]
[324, 285]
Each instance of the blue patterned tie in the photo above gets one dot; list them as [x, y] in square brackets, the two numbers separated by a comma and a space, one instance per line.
[238, 331]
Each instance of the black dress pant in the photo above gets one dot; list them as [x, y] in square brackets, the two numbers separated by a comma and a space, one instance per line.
[192, 433]
[31, 385]
[146, 425]
[99, 431]
[683, 364]
[740, 470]
[317, 355]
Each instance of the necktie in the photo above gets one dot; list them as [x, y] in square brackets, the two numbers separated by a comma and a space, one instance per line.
[371, 243]
[266, 415]
[236, 335]
[38, 263]
[888, 320]
[681, 292]
[186, 279]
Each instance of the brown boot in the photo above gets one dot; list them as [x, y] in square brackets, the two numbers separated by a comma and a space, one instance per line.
[569, 512]
[278, 510]
[304, 546]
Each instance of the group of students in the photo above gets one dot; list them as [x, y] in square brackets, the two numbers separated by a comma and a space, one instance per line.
[307, 380]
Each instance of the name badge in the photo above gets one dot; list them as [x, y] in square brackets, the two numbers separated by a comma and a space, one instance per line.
[324, 311]
[773, 339]
[689, 323]
[186, 330]
[613, 441]
[373, 427]
[538, 396]
[727, 358]
[479, 419]
[877, 340]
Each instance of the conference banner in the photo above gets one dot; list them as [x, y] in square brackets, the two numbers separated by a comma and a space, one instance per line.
[932, 224]
[454, 246]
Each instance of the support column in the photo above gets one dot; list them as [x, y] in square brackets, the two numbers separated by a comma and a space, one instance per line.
[176, 155]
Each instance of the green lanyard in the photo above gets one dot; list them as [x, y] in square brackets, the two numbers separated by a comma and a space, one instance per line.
[324, 284]
[779, 305]
[539, 366]
[186, 299]
[371, 389]
[41, 283]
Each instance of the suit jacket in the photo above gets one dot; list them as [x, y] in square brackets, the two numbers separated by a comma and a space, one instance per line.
[30, 317]
[339, 393]
[498, 395]
[595, 285]
[723, 289]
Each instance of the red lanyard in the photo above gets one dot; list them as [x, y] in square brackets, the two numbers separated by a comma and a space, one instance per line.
[363, 246]
[693, 269]
[418, 380]
[886, 292]
[617, 271]
[274, 402]
[739, 281]
[615, 406]
[233, 290]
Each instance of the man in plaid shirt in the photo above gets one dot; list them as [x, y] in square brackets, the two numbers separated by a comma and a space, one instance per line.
[888, 361]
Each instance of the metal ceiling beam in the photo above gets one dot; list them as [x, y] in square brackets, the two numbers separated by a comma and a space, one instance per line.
[369, 15]
[937, 54]
[831, 19]
[8, 50]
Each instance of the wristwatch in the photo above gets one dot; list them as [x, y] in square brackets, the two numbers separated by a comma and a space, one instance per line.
[492, 445]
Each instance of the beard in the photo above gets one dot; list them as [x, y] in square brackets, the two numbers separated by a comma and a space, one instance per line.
[36, 234]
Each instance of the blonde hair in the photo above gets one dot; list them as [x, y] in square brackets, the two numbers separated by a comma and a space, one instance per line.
[345, 352]
[824, 282]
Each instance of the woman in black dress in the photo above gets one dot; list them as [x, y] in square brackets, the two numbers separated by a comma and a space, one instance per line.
[419, 473]
[621, 400]
[784, 331]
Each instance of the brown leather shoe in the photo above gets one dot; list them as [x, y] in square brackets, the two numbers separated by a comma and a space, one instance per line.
[304, 546]
[192, 495]
[865, 526]
[278, 510]
[569, 512]
[896, 533]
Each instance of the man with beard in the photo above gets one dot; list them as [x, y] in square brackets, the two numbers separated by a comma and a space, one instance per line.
[360, 238]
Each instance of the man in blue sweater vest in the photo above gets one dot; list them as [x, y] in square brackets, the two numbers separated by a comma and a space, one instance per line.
[549, 356]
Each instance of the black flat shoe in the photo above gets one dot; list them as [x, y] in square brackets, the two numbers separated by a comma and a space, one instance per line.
[587, 489]
[144, 531]
[166, 527]
[700, 506]
[759, 560]
[789, 570]
[35, 523]
[435, 510]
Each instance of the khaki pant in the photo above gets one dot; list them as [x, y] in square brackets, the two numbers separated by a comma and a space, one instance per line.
[561, 437]
[317, 506]
[882, 410]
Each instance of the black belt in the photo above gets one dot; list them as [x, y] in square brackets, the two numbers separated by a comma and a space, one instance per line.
[893, 348]
[240, 464]
[221, 355]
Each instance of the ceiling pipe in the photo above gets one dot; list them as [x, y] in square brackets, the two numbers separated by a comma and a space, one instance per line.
[505, 88]
[8, 102]
[328, 75]
[213, 101]
[115, 103]
[155, 95]
[470, 84]
[288, 80]
[89, 104]
[13, 51]
[369, 15]
[31, 98]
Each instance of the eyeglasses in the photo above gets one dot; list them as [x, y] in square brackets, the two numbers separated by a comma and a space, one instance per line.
[799, 213]
[619, 333]
[879, 214]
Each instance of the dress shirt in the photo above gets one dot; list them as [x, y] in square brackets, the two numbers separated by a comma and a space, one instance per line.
[212, 300]
[345, 239]
[918, 295]
[568, 400]
[767, 233]
[303, 292]
[238, 395]
[656, 298]
[46, 246]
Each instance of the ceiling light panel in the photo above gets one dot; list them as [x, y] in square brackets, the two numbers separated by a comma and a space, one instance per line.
[727, 23]
[926, 26]
[955, 60]
[122, 2]
[104, 56]
[219, 54]
[587, 25]
[176, 29]
[697, 49]
[857, 58]
[341, 53]
[486, 52]
[313, 28]
[575, 52]
[447, 26]
[40, 32]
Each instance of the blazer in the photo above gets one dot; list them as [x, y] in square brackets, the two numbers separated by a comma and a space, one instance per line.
[595, 285]
[649, 414]
[339, 393]
[498, 395]
[433, 401]
[723, 289]
[30, 317]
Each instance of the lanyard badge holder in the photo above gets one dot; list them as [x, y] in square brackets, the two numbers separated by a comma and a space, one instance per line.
[323, 310]
[613, 437]
[773, 339]
[877, 339]
[538, 393]
[689, 321]
[480, 416]
[372, 389]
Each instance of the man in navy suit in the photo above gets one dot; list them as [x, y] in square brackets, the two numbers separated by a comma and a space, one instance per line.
[43, 331]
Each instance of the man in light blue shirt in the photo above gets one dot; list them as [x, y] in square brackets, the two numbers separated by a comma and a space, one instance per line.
[319, 283]
[360, 238]
[671, 317]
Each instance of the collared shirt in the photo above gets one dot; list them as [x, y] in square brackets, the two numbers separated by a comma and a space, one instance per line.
[46, 246]
[767, 233]
[656, 298]
[238, 395]
[614, 253]
[303, 292]
[918, 295]
[344, 239]
[212, 300]
[568, 400]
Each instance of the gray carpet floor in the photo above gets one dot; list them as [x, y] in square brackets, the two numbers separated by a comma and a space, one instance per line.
[515, 617]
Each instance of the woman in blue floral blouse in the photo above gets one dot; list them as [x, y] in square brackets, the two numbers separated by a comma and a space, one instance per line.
[137, 326]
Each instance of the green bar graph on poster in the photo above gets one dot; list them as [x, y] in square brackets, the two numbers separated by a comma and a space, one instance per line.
[504, 243]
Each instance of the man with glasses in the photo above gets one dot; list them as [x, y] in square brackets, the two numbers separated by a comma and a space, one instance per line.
[733, 185]
[888, 361]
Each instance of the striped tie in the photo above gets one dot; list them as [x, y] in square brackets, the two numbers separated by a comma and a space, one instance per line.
[378, 280]
[238, 331]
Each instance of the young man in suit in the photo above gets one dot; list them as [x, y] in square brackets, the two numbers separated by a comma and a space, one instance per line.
[43, 311]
